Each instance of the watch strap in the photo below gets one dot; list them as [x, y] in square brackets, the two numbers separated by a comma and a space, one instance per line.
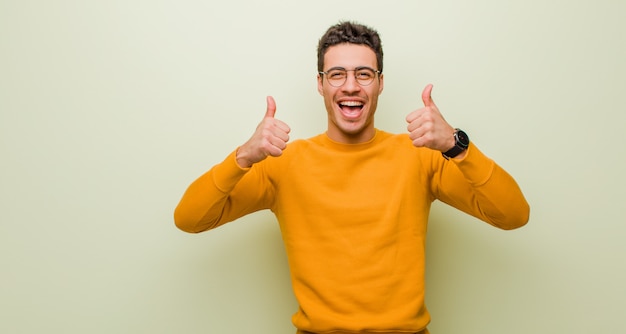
[459, 146]
[453, 152]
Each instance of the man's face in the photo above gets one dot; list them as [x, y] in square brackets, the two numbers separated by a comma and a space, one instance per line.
[351, 106]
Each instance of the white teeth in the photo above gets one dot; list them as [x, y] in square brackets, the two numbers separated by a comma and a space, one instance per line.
[351, 103]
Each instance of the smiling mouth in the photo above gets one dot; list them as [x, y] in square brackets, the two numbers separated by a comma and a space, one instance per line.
[351, 109]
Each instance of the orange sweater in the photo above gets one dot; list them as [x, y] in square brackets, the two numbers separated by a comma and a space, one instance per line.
[353, 219]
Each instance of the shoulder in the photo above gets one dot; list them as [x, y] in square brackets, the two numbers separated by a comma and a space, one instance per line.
[292, 152]
[305, 144]
[398, 141]
[302, 144]
[401, 144]
[395, 138]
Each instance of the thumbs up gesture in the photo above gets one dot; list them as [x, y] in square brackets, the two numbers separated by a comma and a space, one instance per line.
[269, 139]
[427, 127]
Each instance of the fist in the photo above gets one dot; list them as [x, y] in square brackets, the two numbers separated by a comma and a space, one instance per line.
[427, 127]
[269, 139]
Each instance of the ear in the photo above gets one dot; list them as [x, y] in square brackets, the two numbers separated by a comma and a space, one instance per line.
[320, 84]
[381, 83]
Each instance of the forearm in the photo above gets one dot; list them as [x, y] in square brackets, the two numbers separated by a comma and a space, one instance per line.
[205, 201]
[501, 202]
[492, 194]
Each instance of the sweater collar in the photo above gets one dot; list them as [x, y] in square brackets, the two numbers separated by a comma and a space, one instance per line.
[326, 141]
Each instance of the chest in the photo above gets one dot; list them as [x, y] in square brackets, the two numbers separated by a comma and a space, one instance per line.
[355, 183]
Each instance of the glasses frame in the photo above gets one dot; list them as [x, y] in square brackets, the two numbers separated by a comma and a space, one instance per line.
[355, 70]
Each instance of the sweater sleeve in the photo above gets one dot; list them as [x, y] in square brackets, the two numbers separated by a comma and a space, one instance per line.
[480, 187]
[223, 194]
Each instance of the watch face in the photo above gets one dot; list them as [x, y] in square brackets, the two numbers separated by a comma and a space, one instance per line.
[462, 138]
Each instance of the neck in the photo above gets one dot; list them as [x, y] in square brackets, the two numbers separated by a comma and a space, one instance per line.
[351, 138]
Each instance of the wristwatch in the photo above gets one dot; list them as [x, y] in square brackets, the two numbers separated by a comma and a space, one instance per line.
[461, 143]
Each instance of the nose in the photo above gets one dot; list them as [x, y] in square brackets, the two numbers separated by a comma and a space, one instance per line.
[351, 85]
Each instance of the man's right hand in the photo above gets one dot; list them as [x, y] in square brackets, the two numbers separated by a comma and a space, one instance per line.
[269, 139]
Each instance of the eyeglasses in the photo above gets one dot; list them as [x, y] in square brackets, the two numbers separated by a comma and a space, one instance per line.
[337, 76]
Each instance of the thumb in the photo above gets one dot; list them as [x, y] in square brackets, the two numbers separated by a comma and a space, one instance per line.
[426, 96]
[271, 107]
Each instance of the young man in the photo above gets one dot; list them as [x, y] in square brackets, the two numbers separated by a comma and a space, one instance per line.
[353, 203]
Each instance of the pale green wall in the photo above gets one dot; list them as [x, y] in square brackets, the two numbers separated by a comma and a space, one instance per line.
[109, 109]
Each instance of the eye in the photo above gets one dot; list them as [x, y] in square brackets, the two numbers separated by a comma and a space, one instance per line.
[364, 74]
[336, 74]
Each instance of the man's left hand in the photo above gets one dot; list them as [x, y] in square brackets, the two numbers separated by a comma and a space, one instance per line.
[427, 127]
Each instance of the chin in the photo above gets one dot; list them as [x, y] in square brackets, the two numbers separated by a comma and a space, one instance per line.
[354, 130]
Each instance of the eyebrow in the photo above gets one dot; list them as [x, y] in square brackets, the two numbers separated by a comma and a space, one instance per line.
[356, 68]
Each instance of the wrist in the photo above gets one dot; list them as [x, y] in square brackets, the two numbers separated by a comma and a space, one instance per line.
[461, 143]
[242, 160]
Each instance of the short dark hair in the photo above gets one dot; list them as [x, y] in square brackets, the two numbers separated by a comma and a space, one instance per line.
[350, 32]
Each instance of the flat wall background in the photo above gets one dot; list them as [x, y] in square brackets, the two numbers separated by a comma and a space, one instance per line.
[109, 109]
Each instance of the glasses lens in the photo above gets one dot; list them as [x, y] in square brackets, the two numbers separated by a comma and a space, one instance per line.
[364, 76]
[337, 77]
